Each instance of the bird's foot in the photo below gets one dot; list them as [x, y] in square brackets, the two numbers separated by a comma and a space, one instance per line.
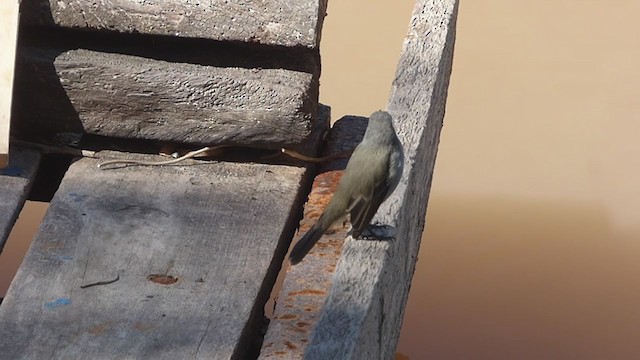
[377, 232]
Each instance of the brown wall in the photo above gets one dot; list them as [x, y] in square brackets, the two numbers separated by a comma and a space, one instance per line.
[532, 244]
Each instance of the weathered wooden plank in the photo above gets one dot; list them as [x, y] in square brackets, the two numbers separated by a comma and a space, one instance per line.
[273, 22]
[8, 39]
[15, 182]
[195, 249]
[362, 316]
[306, 285]
[134, 97]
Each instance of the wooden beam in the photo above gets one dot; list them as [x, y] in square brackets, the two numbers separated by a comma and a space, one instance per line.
[275, 22]
[362, 316]
[194, 250]
[306, 286]
[15, 182]
[136, 97]
[8, 40]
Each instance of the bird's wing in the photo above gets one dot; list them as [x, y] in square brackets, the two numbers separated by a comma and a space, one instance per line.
[355, 202]
[362, 211]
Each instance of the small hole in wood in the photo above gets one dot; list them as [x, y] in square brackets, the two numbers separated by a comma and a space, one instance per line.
[162, 279]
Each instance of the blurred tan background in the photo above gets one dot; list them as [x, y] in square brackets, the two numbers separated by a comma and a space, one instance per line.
[532, 242]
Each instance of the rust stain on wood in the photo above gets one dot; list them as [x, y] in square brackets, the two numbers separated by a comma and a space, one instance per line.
[142, 327]
[162, 279]
[100, 328]
[307, 292]
[287, 317]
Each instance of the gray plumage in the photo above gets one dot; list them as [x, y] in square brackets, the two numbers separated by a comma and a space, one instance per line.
[372, 174]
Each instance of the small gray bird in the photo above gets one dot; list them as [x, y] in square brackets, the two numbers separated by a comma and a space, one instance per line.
[373, 172]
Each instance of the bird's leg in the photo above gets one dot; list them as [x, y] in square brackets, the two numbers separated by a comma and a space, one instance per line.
[377, 232]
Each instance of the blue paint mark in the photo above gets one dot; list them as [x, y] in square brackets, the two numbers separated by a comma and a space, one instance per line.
[57, 303]
[12, 171]
[65, 258]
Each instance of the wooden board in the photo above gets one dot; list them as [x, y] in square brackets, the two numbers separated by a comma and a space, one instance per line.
[362, 316]
[274, 22]
[143, 98]
[220, 229]
[306, 285]
[8, 38]
[15, 182]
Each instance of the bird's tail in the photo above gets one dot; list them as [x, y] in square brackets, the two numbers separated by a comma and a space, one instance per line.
[304, 245]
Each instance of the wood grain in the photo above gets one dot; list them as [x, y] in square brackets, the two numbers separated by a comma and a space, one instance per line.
[273, 22]
[195, 249]
[129, 96]
[362, 316]
[15, 181]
